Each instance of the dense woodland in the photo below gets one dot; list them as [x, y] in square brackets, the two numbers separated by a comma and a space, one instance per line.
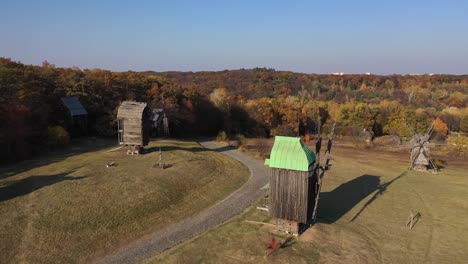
[256, 102]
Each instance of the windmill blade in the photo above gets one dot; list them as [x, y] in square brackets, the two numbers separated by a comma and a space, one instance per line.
[326, 159]
[427, 136]
[318, 146]
[430, 129]
[410, 128]
[434, 166]
[320, 169]
[318, 186]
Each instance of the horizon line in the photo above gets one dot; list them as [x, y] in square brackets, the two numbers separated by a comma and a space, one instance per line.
[337, 73]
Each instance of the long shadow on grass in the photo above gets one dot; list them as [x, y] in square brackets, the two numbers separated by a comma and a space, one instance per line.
[380, 191]
[192, 149]
[28, 185]
[52, 156]
[333, 205]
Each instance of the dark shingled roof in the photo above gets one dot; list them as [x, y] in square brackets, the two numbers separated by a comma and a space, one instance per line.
[74, 106]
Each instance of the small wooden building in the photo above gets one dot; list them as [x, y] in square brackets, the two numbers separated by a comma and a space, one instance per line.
[160, 123]
[134, 120]
[293, 185]
[77, 122]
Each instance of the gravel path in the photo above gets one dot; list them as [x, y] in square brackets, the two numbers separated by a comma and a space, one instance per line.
[215, 215]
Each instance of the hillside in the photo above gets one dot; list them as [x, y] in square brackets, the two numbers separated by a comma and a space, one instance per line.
[69, 207]
[364, 206]
[255, 102]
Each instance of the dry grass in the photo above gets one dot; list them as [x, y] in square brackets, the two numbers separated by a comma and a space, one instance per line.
[68, 209]
[364, 207]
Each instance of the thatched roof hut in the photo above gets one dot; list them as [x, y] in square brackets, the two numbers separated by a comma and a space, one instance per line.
[134, 123]
[292, 185]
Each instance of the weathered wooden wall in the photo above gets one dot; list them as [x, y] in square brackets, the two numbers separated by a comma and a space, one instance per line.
[132, 132]
[292, 194]
[135, 122]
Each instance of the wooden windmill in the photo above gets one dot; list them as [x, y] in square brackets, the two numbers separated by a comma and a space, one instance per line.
[420, 158]
[160, 123]
[295, 181]
[134, 125]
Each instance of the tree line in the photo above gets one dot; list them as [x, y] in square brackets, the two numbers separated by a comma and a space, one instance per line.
[257, 102]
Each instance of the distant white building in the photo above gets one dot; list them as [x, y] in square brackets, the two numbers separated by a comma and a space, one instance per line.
[338, 73]
[367, 73]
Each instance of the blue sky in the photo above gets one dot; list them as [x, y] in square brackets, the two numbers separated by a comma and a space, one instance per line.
[358, 36]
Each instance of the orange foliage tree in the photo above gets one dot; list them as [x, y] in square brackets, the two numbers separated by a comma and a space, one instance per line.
[440, 127]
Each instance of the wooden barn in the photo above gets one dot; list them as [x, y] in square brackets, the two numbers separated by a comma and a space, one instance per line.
[76, 122]
[293, 185]
[134, 120]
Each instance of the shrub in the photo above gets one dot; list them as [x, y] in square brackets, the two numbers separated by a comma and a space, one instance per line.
[241, 141]
[350, 131]
[222, 136]
[388, 140]
[458, 142]
[57, 136]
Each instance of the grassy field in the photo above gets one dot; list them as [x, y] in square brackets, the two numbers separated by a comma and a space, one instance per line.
[364, 206]
[68, 207]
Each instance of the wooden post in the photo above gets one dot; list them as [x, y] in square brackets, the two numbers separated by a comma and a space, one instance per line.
[412, 219]
[161, 165]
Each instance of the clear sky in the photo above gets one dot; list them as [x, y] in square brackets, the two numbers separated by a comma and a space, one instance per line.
[358, 36]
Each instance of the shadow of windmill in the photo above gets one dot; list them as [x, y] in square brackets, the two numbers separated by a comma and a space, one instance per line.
[335, 204]
[380, 191]
[30, 184]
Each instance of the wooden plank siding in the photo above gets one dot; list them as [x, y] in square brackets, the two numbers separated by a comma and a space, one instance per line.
[135, 123]
[292, 194]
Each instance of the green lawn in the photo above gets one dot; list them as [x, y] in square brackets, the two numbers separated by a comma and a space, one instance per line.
[68, 207]
[364, 207]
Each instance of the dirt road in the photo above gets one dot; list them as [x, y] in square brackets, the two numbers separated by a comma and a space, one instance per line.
[217, 214]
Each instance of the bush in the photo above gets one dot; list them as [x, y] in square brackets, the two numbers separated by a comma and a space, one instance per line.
[222, 136]
[389, 140]
[57, 136]
[350, 131]
[241, 141]
[458, 142]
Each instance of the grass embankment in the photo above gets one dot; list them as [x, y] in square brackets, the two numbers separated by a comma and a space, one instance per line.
[71, 208]
[364, 206]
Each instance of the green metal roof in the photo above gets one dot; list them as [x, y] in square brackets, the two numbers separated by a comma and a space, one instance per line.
[290, 153]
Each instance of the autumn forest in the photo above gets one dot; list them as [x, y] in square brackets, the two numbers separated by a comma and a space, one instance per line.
[259, 102]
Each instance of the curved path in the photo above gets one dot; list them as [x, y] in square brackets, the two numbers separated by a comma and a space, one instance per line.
[215, 215]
